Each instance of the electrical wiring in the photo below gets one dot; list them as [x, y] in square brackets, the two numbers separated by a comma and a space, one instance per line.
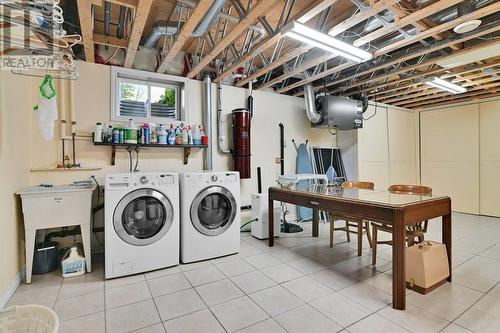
[94, 211]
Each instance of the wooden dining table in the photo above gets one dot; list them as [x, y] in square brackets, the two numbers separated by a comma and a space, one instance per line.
[397, 210]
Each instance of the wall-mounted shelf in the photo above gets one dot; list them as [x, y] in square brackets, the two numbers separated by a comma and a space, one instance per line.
[131, 146]
[64, 169]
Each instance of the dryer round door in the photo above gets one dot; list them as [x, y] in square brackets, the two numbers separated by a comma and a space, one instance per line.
[143, 216]
[213, 210]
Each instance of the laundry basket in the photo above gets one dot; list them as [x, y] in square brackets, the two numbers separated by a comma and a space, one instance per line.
[28, 319]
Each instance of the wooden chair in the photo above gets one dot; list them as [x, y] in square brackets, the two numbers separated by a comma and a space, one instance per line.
[358, 224]
[413, 231]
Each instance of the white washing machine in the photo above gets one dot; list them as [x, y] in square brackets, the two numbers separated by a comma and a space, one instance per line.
[210, 215]
[141, 222]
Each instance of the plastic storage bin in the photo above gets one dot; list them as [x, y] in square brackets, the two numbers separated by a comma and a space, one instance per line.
[28, 319]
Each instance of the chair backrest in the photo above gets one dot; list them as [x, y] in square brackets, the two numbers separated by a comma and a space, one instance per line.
[410, 189]
[358, 185]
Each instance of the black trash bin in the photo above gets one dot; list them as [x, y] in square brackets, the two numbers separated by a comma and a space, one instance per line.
[46, 257]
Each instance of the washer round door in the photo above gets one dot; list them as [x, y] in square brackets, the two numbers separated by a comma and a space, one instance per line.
[213, 210]
[143, 216]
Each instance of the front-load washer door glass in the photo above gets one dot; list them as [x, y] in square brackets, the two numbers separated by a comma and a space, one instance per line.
[213, 210]
[142, 217]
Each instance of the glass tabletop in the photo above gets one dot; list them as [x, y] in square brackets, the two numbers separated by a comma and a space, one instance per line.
[372, 196]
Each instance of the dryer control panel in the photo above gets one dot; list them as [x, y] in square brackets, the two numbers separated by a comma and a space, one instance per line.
[211, 178]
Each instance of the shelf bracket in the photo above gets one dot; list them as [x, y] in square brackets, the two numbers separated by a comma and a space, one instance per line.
[113, 155]
[187, 152]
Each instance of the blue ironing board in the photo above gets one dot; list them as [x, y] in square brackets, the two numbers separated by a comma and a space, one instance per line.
[304, 166]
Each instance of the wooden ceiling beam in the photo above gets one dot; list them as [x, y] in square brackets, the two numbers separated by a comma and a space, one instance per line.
[479, 13]
[460, 99]
[141, 15]
[334, 31]
[258, 9]
[303, 16]
[110, 41]
[406, 20]
[420, 86]
[494, 27]
[185, 33]
[86, 24]
[376, 89]
[444, 94]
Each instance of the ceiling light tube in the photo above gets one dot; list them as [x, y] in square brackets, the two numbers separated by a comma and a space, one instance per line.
[445, 85]
[324, 41]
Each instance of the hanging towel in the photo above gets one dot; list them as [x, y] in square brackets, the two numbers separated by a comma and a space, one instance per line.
[47, 108]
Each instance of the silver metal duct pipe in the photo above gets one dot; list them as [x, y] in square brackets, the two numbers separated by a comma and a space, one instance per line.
[159, 29]
[220, 138]
[310, 99]
[230, 18]
[208, 163]
[209, 17]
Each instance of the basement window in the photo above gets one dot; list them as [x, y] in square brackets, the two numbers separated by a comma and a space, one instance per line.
[146, 97]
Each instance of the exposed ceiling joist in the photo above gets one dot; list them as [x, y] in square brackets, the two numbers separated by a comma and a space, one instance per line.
[141, 16]
[406, 20]
[111, 41]
[475, 96]
[373, 9]
[257, 10]
[304, 16]
[185, 33]
[335, 30]
[86, 23]
[439, 46]
[483, 11]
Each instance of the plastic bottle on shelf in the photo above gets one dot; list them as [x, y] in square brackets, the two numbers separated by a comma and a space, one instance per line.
[196, 135]
[190, 135]
[162, 135]
[131, 132]
[146, 134]
[98, 132]
[153, 133]
[116, 135]
[185, 136]
[178, 135]
[171, 136]
[109, 134]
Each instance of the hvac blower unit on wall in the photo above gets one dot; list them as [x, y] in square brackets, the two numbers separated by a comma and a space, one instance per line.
[334, 111]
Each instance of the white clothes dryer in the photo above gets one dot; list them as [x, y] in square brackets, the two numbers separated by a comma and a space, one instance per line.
[141, 222]
[210, 215]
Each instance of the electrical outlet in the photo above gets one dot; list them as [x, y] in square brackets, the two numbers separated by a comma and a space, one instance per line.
[278, 160]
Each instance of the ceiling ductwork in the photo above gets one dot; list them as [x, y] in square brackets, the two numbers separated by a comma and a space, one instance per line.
[159, 29]
[212, 13]
[464, 8]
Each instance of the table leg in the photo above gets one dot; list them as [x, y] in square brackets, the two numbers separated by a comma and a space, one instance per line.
[398, 263]
[29, 239]
[446, 233]
[270, 208]
[85, 229]
[315, 223]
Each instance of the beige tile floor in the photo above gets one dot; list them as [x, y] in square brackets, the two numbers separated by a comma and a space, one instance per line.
[300, 285]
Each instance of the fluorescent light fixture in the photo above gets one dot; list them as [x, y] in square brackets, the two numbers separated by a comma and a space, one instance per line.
[445, 85]
[324, 41]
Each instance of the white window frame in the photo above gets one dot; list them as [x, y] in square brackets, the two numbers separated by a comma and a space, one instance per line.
[119, 75]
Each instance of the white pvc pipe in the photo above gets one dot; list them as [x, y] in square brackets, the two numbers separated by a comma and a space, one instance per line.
[72, 106]
[62, 105]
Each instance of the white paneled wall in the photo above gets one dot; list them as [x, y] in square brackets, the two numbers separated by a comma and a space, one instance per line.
[489, 158]
[386, 147]
[460, 155]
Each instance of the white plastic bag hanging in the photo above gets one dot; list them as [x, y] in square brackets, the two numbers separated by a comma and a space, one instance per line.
[47, 108]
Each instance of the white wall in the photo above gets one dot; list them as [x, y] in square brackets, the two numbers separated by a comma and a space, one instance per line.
[460, 157]
[15, 150]
[386, 147]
